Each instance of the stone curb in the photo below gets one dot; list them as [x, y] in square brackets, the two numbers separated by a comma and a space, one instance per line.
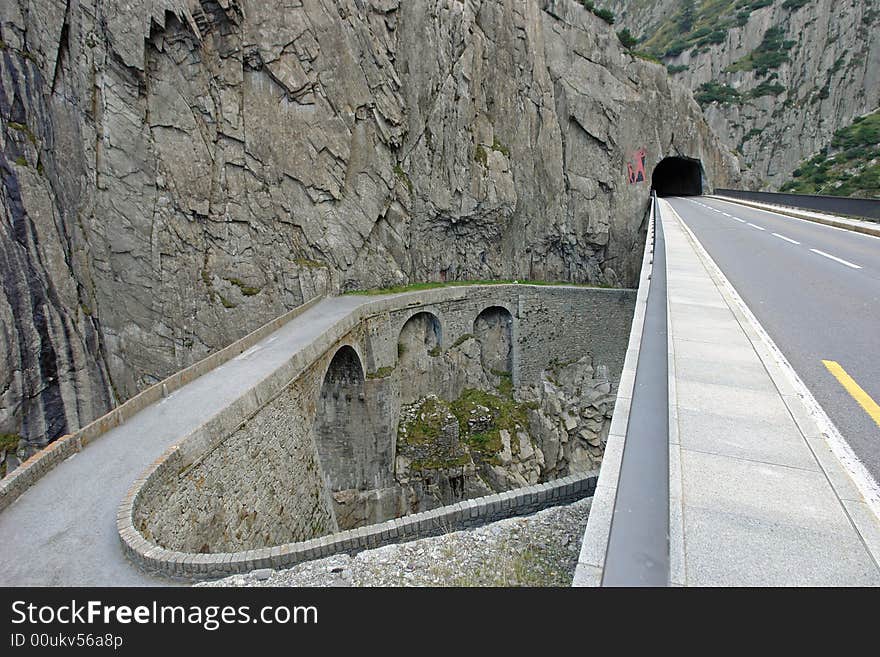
[463, 515]
[855, 225]
[29, 472]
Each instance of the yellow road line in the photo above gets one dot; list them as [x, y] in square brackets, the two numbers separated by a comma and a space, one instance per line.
[854, 389]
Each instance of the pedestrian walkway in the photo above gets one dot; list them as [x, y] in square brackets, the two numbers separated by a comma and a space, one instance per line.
[757, 497]
[62, 531]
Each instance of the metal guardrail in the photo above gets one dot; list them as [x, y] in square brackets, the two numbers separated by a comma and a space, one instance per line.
[865, 208]
[638, 542]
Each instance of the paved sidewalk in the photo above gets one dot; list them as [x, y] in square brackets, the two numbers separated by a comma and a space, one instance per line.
[757, 498]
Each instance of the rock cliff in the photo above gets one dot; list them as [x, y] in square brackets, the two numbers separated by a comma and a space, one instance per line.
[177, 172]
[776, 78]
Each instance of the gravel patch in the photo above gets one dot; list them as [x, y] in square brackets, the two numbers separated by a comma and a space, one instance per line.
[537, 550]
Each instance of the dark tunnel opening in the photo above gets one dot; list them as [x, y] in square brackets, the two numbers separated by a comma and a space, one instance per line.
[677, 176]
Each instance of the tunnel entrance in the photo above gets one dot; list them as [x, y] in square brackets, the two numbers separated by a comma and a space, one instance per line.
[678, 176]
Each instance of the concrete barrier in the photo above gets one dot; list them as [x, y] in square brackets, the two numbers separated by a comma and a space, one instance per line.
[19, 480]
[866, 208]
[855, 225]
[594, 547]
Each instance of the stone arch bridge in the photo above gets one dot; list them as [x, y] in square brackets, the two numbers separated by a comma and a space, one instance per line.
[294, 438]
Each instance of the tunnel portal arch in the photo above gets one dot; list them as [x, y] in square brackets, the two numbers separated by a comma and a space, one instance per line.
[678, 176]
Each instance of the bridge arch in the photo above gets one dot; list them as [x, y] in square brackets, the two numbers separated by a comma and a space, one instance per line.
[341, 421]
[493, 329]
[421, 334]
[678, 176]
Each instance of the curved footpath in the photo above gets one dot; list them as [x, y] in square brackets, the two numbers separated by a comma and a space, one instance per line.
[68, 517]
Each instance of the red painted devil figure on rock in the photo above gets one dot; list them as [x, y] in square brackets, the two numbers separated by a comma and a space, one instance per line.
[636, 166]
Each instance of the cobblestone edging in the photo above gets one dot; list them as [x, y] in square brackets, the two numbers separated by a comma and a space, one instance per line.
[463, 515]
[33, 469]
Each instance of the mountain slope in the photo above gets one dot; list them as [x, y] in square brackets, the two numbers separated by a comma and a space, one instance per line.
[776, 78]
[848, 166]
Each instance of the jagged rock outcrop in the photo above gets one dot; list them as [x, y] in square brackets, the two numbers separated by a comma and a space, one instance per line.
[177, 172]
[828, 72]
[496, 438]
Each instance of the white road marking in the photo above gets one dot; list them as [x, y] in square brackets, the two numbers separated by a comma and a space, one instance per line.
[754, 226]
[835, 258]
[805, 221]
[787, 239]
[742, 221]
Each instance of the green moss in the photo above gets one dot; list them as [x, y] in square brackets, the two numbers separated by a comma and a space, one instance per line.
[431, 285]
[648, 57]
[9, 442]
[673, 69]
[434, 352]
[848, 166]
[505, 385]
[766, 89]
[427, 424]
[499, 147]
[605, 14]
[21, 127]
[404, 178]
[381, 373]
[226, 302]
[480, 155]
[461, 340]
[21, 161]
[485, 441]
[246, 290]
[715, 92]
[627, 40]
[771, 53]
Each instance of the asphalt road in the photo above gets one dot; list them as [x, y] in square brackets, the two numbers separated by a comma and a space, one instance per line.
[815, 290]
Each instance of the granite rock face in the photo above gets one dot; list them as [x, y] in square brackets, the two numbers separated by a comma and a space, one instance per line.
[831, 77]
[177, 172]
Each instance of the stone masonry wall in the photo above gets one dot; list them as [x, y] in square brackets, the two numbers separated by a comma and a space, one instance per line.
[262, 486]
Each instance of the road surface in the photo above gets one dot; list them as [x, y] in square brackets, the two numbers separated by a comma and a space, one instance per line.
[816, 291]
